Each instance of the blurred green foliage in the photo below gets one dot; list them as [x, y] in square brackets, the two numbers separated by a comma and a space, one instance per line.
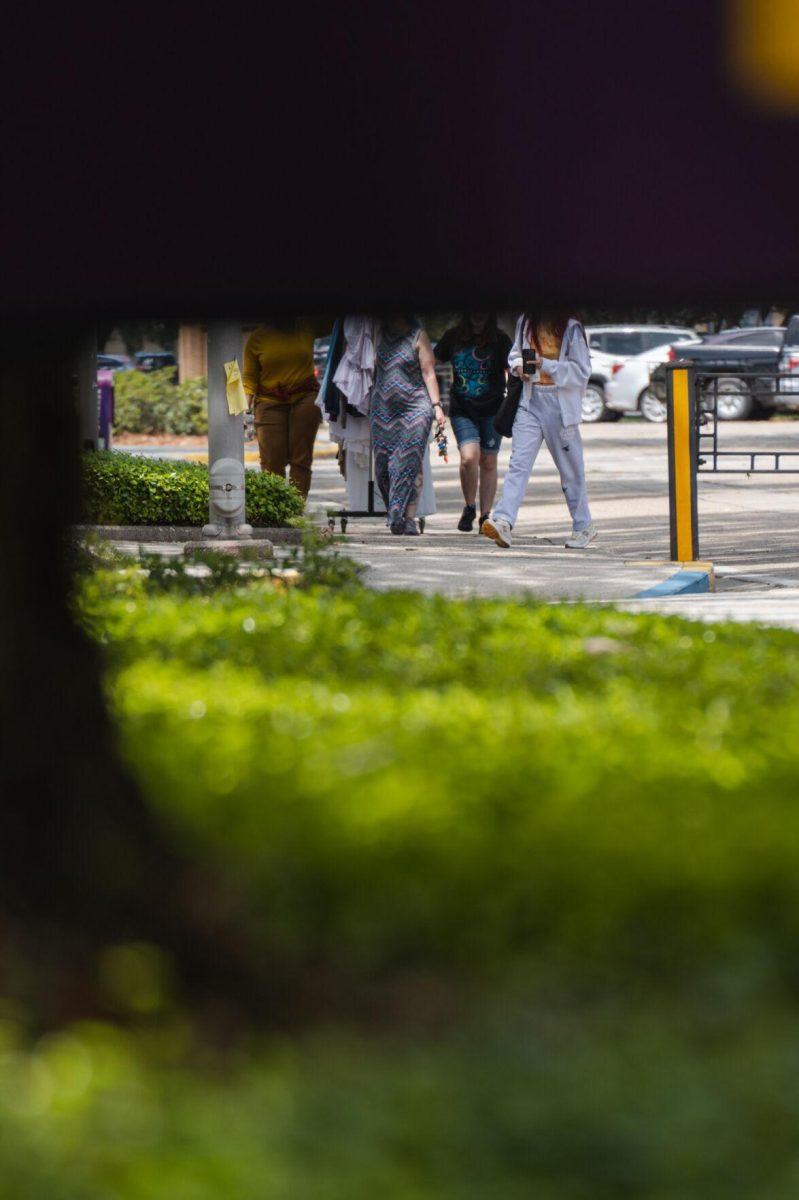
[468, 784]
[547, 854]
[564, 1105]
[128, 489]
[152, 402]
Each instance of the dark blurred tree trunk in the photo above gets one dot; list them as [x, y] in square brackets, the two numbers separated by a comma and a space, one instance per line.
[82, 862]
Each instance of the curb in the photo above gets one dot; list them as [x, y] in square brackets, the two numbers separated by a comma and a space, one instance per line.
[176, 533]
[252, 456]
[240, 547]
[680, 584]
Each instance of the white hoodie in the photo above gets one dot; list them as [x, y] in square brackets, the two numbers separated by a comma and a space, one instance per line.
[570, 371]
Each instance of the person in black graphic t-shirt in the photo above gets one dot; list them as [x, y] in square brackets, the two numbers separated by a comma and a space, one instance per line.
[478, 351]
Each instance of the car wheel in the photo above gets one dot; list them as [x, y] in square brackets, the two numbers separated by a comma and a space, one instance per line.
[651, 408]
[734, 402]
[594, 404]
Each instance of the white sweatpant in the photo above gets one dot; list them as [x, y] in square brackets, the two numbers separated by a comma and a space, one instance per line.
[542, 422]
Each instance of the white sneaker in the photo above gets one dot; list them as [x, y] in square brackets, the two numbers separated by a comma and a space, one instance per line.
[579, 540]
[499, 530]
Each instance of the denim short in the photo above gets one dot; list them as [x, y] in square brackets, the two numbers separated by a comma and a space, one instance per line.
[467, 430]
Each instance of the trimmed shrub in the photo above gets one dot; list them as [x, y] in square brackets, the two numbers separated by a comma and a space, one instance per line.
[542, 859]
[128, 489]
[153, 403]
[634, 820]
[569, 1104]
[271, 500]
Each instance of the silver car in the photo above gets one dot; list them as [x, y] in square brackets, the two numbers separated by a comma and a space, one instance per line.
[612, 347]
[628, 392]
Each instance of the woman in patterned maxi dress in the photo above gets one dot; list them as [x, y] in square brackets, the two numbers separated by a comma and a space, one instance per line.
[405, 401]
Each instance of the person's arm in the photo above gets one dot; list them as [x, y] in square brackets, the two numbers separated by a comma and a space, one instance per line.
[428, 364]
[574, 369]
[505, 349]
[252, 369]
[500, 367]
[515, 356]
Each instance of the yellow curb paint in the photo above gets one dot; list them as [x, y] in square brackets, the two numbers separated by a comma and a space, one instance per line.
[694, 563]
[253, 457]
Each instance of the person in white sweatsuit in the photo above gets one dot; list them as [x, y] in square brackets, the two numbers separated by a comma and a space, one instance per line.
[549, 411]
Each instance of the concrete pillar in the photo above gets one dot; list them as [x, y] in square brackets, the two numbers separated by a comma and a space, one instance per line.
[226, 517]
[86, 389]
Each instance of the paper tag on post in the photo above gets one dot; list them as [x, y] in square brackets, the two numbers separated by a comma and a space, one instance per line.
[234, 389]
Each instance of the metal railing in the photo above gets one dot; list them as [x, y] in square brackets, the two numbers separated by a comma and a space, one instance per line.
[717, 461]
[692, 402]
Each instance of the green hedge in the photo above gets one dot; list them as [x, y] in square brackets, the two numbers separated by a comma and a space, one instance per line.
[151, 402]
[528, 872]
[464, 785]
[532, 1104]
[128, 489]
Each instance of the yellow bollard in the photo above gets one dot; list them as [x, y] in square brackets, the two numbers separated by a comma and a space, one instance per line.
[682, 439]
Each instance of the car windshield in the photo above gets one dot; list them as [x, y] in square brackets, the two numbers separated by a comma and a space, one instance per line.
[662, 337]
[624, 343]
[762, 337]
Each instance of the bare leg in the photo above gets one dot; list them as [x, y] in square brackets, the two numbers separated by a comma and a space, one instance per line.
[470, 457]
[488, 482]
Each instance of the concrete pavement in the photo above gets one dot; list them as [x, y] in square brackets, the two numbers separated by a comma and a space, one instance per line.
[748, 528]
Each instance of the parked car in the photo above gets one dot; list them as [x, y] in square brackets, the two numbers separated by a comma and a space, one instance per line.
[612, 346]
[113, 362]
[745, 364]
[154, 360]
[629, 390]
[321, 349]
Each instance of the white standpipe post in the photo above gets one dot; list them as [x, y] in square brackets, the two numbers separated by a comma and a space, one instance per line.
[226, 509]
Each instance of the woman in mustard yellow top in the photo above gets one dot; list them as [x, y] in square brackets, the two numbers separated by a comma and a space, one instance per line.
[281, 390]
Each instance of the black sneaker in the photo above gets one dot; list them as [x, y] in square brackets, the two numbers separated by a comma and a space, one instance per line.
[483, 517]
[466, 523]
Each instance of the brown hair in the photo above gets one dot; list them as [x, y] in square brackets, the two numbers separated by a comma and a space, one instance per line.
[556, 319]
[466, 336]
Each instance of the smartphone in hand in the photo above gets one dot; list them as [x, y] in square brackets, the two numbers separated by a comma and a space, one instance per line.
[530, 364]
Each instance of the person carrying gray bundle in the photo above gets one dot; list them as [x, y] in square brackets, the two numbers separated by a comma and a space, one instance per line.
[550, 355]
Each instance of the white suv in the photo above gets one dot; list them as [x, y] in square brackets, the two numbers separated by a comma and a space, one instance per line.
[611, 347]
[629, 391]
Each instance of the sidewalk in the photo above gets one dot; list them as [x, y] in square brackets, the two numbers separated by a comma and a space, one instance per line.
[749, 530]
[194, 447]
[468, 565]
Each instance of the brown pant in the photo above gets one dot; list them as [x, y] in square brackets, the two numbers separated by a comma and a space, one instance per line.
[286, 435]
